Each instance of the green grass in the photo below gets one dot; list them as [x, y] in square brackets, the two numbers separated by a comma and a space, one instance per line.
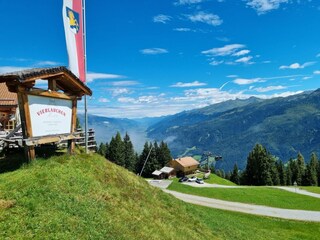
[255, 195]
[214, 179]
[234, 226]
[87, 197]
[311, 189]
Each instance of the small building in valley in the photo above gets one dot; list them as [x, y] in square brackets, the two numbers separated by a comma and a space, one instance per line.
[164, 173]
[184, 166]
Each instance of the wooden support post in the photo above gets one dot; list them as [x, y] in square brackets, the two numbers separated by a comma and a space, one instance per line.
[71, 143]
[52, 85]
[25, 122]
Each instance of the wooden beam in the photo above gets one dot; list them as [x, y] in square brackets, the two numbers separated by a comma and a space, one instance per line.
[71, 143]
[48, 139]
[25, 122]
[52, 85]
[53, 94]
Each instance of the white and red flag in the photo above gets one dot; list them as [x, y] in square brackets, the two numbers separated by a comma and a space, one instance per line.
[73, 26]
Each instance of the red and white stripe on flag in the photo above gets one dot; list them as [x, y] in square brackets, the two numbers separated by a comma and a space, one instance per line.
[73, 26]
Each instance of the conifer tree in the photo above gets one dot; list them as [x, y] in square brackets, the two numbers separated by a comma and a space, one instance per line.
[116, 150]
[259, 166]
[282, 173]
[163, 154]
[235, 178]
[129, 154]
[274, 172]
[102, 149]
[300, 169]
[142, 158]
[311, 171]
[288, 176]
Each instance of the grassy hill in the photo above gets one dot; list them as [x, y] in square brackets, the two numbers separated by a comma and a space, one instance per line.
[214, 179]
[87, 197]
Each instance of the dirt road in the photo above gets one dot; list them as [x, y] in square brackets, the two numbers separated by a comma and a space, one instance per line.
[301, 215]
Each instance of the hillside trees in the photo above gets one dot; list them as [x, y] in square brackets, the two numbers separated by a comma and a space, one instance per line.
[129, 154]
[121, 152]
[263, 169]
[235, 177]
[159, 156]
[259, 167]
[311, 177]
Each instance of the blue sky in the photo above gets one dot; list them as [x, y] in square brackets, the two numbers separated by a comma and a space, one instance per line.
[159, 57]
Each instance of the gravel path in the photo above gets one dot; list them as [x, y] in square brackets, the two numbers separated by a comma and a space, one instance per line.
[299, 191]
[248, 208]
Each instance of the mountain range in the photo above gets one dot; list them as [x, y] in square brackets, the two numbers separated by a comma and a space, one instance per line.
[284, 125]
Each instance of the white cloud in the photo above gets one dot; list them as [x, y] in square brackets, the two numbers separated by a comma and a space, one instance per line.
[152, 106]
[244, 60]
[216, 63]
[245, 81]
[232, 76]
[103, 100]
[47, 63]
[269, 88]
[241, 53]
[123, 83]
[153, 51]
[161, 18]
[223, 39]
[224, 51]
[119, 91]
[208, 18]
[264, 6]
[192, 84]
[316, 72]
[183, 29]
[297, 65]
[126, 100]
[141, 99]
[9, 69]
[184, 2]
[91, 76]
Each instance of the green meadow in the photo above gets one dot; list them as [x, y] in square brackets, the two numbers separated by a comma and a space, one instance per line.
[86, 197]
[266, 196]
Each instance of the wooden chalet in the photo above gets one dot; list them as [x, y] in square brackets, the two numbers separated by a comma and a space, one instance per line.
[184, 166]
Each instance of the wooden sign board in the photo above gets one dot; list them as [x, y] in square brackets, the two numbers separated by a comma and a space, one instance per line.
[47, 115]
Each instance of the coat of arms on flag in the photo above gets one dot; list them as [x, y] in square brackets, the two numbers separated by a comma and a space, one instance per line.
[72, 12]
[73, 20]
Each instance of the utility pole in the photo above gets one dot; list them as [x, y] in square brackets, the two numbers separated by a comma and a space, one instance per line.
[207, 154]
[146, 160]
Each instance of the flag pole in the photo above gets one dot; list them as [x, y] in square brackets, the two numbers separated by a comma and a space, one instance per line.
[85, 67]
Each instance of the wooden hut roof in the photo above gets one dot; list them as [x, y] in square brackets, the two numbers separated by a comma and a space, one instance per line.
[65, 79]
[187, 161]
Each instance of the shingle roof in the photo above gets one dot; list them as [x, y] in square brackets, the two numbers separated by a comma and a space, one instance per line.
[66, 80]
[187, 161]
[7, 98]
[156, 173]
[166, 170]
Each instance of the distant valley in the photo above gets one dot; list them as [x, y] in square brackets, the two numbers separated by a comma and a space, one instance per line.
[284, 126]
[105, 128]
